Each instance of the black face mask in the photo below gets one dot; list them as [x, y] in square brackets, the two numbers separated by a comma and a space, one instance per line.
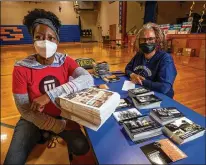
[147, 48]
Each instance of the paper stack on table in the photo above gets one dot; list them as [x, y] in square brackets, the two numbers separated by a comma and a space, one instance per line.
[90, 107]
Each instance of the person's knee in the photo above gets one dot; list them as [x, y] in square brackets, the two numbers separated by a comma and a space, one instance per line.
[24, 139]
[26, 130]
[80, 145]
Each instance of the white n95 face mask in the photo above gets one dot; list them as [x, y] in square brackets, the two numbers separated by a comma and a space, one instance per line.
[45, 48]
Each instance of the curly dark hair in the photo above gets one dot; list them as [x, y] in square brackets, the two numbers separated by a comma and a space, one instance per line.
[40, 13]
[160, 36]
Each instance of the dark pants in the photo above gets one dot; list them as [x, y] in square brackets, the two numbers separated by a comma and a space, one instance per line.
[27, 135]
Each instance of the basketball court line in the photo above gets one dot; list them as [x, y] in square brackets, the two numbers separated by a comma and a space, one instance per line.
[10, 117]
[7, 125]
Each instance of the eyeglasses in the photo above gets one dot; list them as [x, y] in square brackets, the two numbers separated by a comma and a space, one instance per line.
[144, 40]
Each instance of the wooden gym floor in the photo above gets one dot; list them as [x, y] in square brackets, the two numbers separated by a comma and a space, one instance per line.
[189, 89]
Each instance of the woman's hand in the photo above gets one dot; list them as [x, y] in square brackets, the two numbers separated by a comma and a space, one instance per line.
[39, 103]
[137, 79]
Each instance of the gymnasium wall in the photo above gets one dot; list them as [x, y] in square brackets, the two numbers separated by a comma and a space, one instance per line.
[135, 15]
[12, 14]
[109, 15]
[169, 11]
[89, 21]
